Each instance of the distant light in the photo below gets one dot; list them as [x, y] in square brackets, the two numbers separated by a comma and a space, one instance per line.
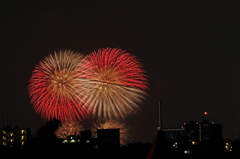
[187, 152]
[205, 113]
[175, 144]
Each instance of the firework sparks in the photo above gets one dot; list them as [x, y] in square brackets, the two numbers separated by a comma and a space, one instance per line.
[68, 128]
[55, 87]
[125, 135]
[114, 83]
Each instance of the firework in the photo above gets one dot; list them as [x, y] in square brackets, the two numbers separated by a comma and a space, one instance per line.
[55, 87]
[124, 131]
[114, 83]
[68, 128]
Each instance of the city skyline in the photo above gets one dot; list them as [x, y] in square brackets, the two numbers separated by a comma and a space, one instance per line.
[190, 55]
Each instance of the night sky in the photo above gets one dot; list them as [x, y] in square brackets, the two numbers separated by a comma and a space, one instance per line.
[189, 50]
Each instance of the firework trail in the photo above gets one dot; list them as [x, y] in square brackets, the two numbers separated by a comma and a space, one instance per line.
[69, 128]
[114, 83]
[55, 87]
[124, 131]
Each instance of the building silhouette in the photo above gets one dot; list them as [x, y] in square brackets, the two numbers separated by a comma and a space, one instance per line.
[204, 136]
[108, 139]
[194, 138]
[14, 136]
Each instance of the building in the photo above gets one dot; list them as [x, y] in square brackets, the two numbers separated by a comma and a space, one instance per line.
[14, 136]
[172, 134]
[108, 139]
[204, 137]
[84, 137]
[206, 130]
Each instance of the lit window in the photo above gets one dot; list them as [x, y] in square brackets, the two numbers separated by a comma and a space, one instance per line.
[4, 132]
[4, 138]
[193, 142]
[22, 143]
[23, 131]
[187, 152]
[4, 143]
[175, 144]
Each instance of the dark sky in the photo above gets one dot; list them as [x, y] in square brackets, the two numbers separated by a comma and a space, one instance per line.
[189, 49]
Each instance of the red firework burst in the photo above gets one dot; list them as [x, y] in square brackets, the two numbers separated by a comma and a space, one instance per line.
[55, 87]
[114, 82]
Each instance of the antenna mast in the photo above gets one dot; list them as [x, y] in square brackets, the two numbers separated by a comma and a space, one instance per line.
[160, 116]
